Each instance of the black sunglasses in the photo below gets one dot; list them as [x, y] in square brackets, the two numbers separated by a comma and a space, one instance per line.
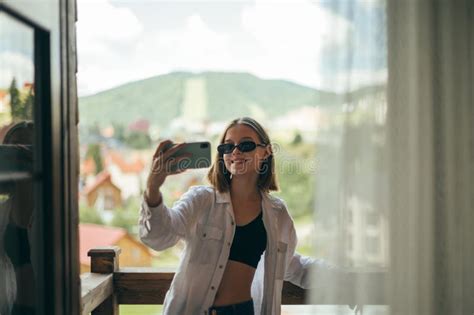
[245, 146]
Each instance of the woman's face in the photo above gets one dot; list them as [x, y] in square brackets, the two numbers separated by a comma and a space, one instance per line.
[244, 163]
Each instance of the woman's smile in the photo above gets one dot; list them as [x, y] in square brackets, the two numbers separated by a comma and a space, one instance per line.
[239, 160]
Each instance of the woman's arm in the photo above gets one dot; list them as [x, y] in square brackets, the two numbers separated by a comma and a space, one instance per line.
[161, 227]
[317, 274]
[307, 272]
[298, 268]
[310, 273]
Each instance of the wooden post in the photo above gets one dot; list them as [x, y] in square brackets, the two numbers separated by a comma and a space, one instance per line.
[105, 260]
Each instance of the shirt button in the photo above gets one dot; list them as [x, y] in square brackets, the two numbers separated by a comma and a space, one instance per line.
[204, 235]
[220, 266]
[212, 288]
[232, 223]
[228, 243]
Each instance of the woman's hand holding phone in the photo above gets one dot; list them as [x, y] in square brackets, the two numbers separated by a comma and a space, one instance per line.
[161, 167]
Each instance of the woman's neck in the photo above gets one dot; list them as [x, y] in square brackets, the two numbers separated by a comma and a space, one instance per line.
[242, 189]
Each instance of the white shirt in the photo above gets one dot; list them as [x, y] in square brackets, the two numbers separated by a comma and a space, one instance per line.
[203, 217]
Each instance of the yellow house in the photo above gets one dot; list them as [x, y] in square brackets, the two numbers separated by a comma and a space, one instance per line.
[134, 253]
[104, 191]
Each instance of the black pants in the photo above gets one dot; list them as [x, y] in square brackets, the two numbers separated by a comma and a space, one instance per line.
[243, 308]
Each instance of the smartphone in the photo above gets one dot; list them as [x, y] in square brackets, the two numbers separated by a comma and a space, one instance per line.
[201, 155]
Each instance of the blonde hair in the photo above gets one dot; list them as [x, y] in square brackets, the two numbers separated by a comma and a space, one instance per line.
[219, 176]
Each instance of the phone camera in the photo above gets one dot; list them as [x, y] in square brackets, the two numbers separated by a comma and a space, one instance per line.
[204, 145]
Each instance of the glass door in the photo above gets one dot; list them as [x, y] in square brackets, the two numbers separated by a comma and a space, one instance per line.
[20, 172]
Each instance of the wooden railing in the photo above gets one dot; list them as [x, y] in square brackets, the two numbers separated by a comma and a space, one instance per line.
[107, 286]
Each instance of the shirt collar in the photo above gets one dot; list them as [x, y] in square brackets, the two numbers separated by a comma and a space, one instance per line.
[224, 197]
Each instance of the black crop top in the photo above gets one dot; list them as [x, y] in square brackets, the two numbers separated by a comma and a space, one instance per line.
[249, 242]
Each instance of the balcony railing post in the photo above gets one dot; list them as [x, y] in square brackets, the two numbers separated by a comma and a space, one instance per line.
[105, 260]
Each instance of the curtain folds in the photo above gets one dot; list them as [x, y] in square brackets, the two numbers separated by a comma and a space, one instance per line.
[395, 180]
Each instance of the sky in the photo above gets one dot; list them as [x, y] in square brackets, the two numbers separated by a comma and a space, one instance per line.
[16, 52]
[326, 44]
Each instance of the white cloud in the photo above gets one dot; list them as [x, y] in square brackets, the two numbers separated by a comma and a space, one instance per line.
[281, 39]
[15, 65]
[102, 20]
[292, 36]
[194, 47]
[16, 52]
[106, 35]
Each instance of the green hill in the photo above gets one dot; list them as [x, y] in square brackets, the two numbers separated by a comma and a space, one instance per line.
[226, 95]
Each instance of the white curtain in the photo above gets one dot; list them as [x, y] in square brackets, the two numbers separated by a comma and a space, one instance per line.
[395, 180]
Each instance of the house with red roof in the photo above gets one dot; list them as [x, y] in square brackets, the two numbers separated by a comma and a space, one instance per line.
[134, 253]
[140, 125]
[123, 176]
[128, 172]
[102, 193]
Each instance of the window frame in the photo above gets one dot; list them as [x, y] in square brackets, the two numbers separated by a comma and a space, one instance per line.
[56, 154]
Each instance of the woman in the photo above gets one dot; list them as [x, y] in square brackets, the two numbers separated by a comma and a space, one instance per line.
[17, 251]
[240, 240]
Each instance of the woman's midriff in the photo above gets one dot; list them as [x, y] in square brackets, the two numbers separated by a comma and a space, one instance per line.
[235, 285]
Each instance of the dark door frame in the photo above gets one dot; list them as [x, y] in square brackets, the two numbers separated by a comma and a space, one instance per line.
[58, 167]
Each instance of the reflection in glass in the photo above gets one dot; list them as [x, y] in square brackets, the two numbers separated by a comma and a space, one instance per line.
[16, 72]
[16, 227]
[17, 249]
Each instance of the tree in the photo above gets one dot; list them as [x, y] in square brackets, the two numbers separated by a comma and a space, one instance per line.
[296, 177]
[28, 104]
[20, 109]
[15, 102]
[297, 139]
[119, 131]
[94, 151]
[89, 215]
[126, 216]
[138, 140]
[94, 130]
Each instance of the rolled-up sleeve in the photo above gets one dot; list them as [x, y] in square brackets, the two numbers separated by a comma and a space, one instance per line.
[161, 227]
[311, 273]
